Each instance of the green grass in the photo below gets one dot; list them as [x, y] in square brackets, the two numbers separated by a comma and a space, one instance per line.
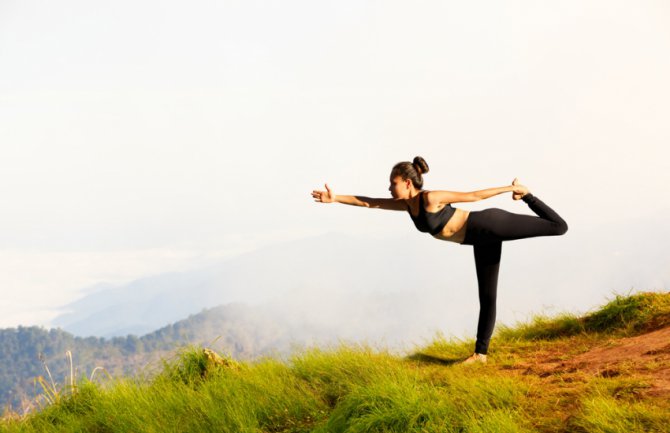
[623, 315]
[356, 389]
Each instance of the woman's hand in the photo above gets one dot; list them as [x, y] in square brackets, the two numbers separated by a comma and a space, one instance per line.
[327, 196]
[519, 190]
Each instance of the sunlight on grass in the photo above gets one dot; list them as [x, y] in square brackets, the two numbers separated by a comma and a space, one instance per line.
[609, 415]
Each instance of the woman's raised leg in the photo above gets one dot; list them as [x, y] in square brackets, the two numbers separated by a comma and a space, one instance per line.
[491, 225]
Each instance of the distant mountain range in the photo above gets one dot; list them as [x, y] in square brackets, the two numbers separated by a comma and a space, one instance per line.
[322, 276]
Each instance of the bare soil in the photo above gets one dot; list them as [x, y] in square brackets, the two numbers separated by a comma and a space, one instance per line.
[645, 356]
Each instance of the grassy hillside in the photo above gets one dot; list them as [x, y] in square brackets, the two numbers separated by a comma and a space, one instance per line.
[608, 371]
[242, 331]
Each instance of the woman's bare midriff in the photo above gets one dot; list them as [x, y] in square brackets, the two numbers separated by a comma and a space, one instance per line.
[454, 231]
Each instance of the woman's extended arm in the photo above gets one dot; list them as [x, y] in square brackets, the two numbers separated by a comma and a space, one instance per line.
[446, 197]
[329, 196]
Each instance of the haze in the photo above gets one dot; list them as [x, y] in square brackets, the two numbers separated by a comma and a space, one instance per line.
[145, 137]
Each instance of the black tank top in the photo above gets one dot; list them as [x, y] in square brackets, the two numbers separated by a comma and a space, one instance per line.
[431, 222]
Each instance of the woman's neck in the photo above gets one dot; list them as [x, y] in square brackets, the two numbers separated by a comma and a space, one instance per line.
[413, 195]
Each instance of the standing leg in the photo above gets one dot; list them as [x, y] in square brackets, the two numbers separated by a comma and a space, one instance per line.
[487, 262]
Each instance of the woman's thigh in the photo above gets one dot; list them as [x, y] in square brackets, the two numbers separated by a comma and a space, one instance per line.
[500, 225]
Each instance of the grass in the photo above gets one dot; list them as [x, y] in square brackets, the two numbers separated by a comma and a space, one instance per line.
[356, 389]
[623, 315]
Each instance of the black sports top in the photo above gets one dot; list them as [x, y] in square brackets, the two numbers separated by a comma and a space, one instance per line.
[431, 222]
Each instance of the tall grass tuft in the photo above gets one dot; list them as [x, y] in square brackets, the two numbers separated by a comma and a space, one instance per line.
[604, 414]
[410, 403]
[625, 315]
[633, 313]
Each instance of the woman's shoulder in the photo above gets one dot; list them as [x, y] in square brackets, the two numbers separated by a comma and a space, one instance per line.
[435, 199]
[429, 197]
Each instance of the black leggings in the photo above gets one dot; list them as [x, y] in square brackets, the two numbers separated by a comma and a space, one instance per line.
[485, 231]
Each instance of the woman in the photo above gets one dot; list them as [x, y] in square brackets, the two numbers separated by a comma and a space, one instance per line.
[485, 230]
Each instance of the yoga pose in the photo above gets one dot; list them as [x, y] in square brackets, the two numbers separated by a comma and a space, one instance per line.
[485, 230]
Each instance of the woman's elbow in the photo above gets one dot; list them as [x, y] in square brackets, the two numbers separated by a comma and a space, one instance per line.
[474, 196]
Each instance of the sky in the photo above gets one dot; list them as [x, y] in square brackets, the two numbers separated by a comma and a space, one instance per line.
[142, 137]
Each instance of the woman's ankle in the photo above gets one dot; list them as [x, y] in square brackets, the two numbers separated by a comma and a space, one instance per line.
[528, 198]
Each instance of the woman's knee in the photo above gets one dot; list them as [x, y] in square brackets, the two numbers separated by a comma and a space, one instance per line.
[561, 228]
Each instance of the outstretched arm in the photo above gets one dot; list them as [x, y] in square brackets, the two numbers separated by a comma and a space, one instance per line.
[446, 197]
[328, 196]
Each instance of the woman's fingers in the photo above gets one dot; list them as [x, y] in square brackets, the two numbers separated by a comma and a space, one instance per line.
[323, 196]
[318, 195]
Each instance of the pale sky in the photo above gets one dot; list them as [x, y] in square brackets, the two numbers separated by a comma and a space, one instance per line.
[141, 137]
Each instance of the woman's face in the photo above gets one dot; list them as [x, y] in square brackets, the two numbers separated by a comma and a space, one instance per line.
[400, 187]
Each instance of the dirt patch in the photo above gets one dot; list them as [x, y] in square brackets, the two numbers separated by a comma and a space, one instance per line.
[646, 356]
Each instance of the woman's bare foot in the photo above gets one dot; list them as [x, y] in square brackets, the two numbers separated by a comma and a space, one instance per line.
[519, 190]
[475, 358]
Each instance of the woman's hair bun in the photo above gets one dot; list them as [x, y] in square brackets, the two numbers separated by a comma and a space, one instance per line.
[420, 164]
